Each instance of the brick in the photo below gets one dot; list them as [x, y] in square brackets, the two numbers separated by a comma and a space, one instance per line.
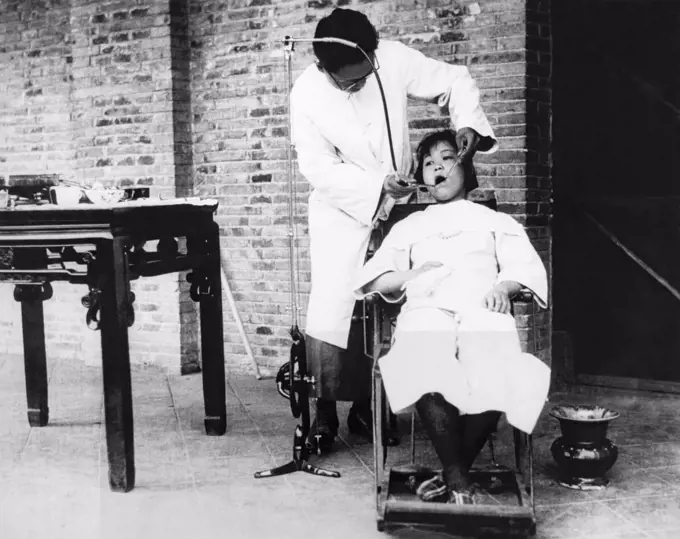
[151, 98]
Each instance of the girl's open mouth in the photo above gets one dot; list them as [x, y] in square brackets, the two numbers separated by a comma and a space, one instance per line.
[439, 179]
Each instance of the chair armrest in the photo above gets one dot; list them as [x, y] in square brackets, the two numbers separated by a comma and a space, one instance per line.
[390, 310]
[523, 296]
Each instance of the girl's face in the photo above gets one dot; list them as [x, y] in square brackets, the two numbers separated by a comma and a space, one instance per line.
[444, 182]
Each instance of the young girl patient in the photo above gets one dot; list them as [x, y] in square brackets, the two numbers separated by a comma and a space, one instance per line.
[456, 352]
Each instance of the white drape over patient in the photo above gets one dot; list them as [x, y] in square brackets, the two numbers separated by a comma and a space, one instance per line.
[446, 341]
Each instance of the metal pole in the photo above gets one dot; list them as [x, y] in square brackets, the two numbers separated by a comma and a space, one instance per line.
[291, 203]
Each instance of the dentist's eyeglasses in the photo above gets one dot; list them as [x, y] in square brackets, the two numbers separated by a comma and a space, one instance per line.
[346, 85]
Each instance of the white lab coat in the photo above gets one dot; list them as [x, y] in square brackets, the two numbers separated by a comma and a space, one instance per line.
[445, 340]
[343, 151]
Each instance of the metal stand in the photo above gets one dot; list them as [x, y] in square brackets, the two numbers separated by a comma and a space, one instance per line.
[299, 462]
[298, 393]
[292, 380]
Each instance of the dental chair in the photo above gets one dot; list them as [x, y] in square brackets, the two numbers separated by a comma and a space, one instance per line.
[510, 510]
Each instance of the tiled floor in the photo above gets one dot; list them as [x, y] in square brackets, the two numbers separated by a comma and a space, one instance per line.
[53, 480]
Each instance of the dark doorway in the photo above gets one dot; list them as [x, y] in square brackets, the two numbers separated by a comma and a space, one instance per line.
[616, 151]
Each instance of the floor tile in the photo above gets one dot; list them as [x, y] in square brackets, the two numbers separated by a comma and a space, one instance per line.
[581, 520]
[634, 483]
[52, 510]
[656, 455]
[54, 480]
[665, 534]
[650, 513]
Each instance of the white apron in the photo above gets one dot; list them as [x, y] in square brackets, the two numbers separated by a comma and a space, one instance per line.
[343, 151]
[447, 342]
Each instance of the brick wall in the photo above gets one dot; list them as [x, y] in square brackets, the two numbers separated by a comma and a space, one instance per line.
[538, 181]
[88, 92]
[138, 81]
[238, 84]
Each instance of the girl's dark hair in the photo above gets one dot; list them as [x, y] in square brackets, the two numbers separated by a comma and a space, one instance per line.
[426, 145]
[345, 24]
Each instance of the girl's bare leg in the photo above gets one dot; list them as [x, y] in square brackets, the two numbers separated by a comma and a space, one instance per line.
[443, 425]
[476, 429]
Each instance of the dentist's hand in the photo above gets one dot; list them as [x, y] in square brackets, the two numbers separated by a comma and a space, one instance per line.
[398, 185]
[467, 140]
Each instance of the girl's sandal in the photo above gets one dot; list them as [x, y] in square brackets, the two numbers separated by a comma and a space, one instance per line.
[463, 497]
[432, 490]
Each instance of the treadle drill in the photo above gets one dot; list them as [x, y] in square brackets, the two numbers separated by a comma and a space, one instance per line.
[297, 383]
[292, 380]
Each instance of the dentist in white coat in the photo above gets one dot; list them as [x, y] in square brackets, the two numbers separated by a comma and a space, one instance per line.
[340, 135]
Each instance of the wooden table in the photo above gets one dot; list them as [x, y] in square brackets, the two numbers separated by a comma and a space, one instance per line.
[103, 246]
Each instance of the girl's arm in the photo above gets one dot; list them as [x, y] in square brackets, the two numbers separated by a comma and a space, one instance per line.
[499, 297]
[519, 262]
[389, 283]
[392, 282]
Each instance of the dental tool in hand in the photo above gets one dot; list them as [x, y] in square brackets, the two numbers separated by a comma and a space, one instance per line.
[440, 179]
[458, 161]
[405, 183]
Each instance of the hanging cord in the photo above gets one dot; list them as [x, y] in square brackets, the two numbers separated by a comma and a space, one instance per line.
[289, 41]
[384, 103]
[384, 197]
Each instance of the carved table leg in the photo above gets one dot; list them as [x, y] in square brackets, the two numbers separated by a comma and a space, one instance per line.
[35, 361]
[111, 259]
[207, 289]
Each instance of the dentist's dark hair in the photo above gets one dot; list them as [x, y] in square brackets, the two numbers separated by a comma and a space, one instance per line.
[426, 145]
[345, 24]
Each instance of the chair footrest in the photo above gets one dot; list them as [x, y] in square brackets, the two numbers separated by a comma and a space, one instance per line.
[402, 506]
[476, 519]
